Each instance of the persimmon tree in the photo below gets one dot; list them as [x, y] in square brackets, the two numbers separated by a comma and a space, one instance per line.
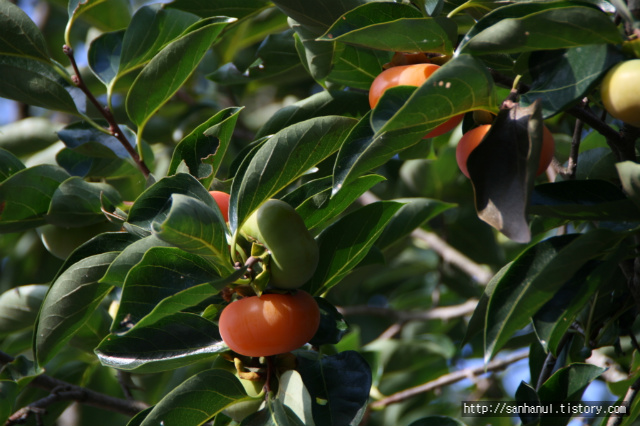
[121, 119]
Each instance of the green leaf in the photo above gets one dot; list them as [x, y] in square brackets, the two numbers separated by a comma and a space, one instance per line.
[326, 102]
[347, 241]
[406, 28]
[534, 278]
[80, 133]
[401, 120]
[532, 26]
[172, 342]
[339, 386]
[19, 307]
[9, 164]
[161, 78]
[503, 167]
[293, 394]
[28, 136]
[35, 83]
[104, 55]
[526, 394]
[19, 35]
[566, 385]
[315, 205]
[583, 200]
[197, 399]
[554, 319]
[356, 67]
[275, 413]
[26, 196]
[333, 326]
[204, 148]
[151, 205]
[71, 300]
[413, 214]
[437, 420]
[8, 395]
[563, 77]
[316, 56]
[77, 203]
[195, 227]
[318, 15]
[162, 272]
[233, 8]
[152, 27]
[282, 159]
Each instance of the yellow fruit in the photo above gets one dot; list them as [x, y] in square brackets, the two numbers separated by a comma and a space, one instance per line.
[620, 92]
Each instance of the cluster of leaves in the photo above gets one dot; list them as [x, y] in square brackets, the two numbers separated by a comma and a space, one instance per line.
[153, 132]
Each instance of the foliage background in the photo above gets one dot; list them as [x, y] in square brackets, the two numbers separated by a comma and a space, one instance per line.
[428, 285]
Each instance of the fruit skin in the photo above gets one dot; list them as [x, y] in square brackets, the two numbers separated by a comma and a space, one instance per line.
[294, 251]
[620, 92]
[222, 200]
[409, 75]
[269, 324]
[61, 242]
[470, 140]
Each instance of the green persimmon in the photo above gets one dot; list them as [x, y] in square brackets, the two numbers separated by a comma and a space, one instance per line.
[61, 242]
[240, 410]
[294, 252]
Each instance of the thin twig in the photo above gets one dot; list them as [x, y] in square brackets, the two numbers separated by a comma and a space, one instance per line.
[572, 165]
[446, 252]
[84, 395]
[448, 379]
[114, 128]
[617, 418]
[443, 313]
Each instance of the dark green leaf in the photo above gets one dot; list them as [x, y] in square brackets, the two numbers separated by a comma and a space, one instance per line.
[318, 15]
[531, 26]
[563, 77]
[77, 203]
[29, 135]
[566, 385]
[232, 8]
[339, 386]
[527, 395]
[71, 300]
[315, 205]
[9, 164]
[437, 420]
[316, 56]
[35, 83]
[583, 200]
[80, 133]
[332, 328]
[403, 115]
[195, 227]
[503, 167]
[276, 413]
[346, 242]
[172, 342]
[356, 67]
[162, 272]
[413, 214]
[152, 27]
[19, 307]
[282, 159]
[19, 35]
[104, 55]
[161, 78]
[151, 205]
[8, 395]
[108, 15]
[197, 399]
[533, 279]
[406, 28]
[204, 148]
[346, 103]
[26, 196]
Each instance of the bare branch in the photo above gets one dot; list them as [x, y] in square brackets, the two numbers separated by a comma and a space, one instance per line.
[448, 379]
[617, 418]
[440, 313]
[446, 252]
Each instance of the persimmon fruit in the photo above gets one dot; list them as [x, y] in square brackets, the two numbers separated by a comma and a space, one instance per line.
[269, 324]
[222, 200]
[294, 252]
[409, 75]
[620, 91]
[471, 139]
[61, 242]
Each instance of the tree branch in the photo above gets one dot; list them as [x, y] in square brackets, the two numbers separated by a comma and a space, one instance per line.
[448, 379]
[446, 252]
[441, 313]
[617, 418]
[114, 128]
[62, 390]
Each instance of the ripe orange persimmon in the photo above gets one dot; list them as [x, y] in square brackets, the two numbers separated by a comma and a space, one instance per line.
[470, 140]
[409, 75]
[269, 324]
[222, 200]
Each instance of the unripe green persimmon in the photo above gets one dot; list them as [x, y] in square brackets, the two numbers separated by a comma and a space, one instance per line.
[620, 92]
[294, 251]
[61, 242]
[240, 410]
